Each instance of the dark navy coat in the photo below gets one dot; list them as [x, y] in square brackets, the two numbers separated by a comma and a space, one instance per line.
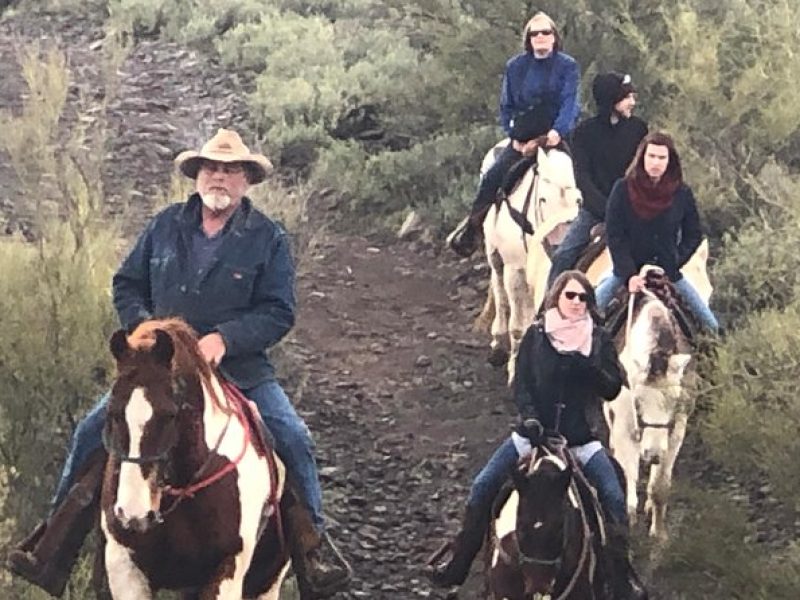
[668, 240]
[246, 293]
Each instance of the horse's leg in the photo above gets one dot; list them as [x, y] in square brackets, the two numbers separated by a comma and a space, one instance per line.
[125, 580]
[520, 313]
[99, 575]
[621, 417]
[499, 353]
[483, 322]
[227, 580]
[274, 592]
[660, 483]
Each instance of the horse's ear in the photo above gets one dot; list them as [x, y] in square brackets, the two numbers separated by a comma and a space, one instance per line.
[678, 364]
[163, 349]
[118, 344]
[564, 479]
[519, 477]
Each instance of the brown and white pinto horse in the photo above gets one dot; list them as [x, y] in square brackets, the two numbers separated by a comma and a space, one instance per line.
[548, 540]
[190, 497]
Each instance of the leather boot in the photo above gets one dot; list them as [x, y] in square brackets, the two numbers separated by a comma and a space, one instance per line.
[462, 549]
[464, 241]
[320, 569]
[626, 584]
[46, 557]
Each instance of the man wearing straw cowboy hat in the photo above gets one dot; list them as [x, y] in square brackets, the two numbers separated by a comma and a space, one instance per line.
[226, 268]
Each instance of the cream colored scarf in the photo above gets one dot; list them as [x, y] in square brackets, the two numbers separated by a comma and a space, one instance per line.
[569, 335]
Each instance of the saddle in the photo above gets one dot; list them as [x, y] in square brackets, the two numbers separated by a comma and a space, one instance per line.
[595, 247]
[657, 282]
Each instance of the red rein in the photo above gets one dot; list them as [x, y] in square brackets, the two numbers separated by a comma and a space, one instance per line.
[238, 402]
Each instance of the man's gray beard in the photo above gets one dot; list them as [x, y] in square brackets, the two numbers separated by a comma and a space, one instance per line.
[216, 202]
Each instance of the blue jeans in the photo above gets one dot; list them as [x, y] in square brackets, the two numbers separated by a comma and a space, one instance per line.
[603, 477]
[292, 440]
[493, 178]
[607, 288]
[599, 471]
[574, 242]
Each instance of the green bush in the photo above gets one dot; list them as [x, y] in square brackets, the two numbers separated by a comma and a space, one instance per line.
[752, 426]
[437, 177]
[712, 554]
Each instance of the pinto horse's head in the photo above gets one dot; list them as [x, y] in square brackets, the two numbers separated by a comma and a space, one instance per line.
[656, 367]
[542, 486]
[141, 428]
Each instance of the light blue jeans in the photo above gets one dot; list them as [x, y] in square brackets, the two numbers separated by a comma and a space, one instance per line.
[292, 442]
[599, 471]
[608, 287]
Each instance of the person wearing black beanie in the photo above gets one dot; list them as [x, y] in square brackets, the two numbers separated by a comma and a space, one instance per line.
[603, 146]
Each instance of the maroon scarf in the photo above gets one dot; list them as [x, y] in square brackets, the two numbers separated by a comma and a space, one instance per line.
[649, 200]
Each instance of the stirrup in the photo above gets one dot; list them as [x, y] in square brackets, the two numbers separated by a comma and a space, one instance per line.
[337, 585]
[439, 553]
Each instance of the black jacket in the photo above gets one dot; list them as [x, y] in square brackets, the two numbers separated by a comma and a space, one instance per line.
[667, 240]
[602, 152]
[546, 377]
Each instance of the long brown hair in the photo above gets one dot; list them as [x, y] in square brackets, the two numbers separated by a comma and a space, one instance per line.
[674, 170]
[526, 42]
[649, 199]
[554, 293]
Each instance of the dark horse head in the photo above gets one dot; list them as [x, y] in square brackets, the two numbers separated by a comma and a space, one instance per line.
[542, 540]
[543, 519]
[157, 393]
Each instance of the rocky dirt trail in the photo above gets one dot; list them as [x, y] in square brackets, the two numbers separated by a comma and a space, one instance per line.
[402, 403]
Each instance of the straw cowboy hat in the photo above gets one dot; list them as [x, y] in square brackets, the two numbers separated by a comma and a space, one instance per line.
[226, 146]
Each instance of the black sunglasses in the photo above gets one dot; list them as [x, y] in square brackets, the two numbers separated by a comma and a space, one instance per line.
[535, 32]
[582, 296]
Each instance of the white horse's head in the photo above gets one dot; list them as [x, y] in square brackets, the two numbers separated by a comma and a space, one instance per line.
[556, 188]
[655, 367]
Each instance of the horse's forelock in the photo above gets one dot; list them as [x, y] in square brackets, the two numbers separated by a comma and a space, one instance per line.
[187, 357]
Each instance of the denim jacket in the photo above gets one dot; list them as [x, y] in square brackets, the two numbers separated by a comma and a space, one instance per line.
[246, 293]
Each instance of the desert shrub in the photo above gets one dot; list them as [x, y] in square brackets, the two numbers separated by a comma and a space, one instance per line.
[712, 553]
[438, 176]
[752, 427]
[55, 309]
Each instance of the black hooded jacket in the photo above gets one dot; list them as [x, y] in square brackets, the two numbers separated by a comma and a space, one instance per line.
[602, 152]
[546, 377]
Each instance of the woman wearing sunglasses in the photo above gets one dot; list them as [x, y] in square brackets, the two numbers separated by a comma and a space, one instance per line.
[566, 363]
[539, 97]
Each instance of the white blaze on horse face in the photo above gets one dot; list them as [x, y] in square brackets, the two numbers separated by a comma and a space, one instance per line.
[135, 492]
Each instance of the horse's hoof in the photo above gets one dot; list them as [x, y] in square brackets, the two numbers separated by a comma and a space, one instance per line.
[498, 357]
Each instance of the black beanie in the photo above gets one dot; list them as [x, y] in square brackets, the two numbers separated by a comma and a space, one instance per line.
[610, 88]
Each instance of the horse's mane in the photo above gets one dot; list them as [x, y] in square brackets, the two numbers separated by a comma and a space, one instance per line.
[187, 358]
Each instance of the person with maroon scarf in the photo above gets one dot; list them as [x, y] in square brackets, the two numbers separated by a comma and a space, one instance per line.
[652, 219]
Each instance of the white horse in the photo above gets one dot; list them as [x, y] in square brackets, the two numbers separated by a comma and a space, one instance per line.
[648, 419]
[546, 191]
